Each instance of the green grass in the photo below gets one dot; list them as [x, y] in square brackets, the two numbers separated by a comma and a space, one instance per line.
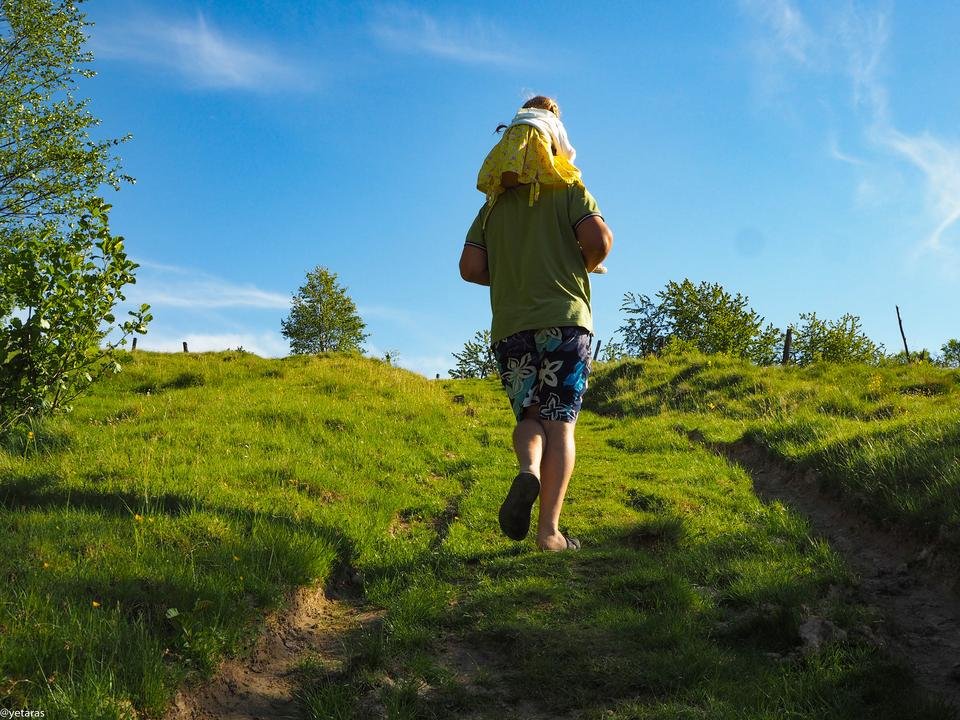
[149, 529]
[149, 532]
[887, 437]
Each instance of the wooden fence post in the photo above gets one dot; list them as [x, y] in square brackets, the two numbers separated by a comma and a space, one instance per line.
[906, 350]
[185, 346]
[596, 352]
[787, 342]
[134, 344]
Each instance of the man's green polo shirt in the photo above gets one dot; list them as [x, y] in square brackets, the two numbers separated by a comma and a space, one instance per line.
[537, 275]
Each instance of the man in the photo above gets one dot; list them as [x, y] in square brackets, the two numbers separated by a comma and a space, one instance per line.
[536, 256]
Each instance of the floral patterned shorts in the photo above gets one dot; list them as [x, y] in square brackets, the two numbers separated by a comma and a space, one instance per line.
[547, 367]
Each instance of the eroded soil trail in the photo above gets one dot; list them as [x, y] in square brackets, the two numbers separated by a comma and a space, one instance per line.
[916, 587]
[262, 685]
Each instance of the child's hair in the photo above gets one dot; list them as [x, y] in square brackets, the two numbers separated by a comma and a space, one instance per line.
[541, 102]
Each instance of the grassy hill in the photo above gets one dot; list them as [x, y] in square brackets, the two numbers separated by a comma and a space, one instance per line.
[148, 533]
[887, 437]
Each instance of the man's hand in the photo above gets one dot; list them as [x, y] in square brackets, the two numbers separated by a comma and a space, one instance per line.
[473, 265]
[595, 240]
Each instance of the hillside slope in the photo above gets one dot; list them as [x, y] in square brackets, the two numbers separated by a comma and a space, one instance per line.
[152, 529]
[148, 529]
[888, 438]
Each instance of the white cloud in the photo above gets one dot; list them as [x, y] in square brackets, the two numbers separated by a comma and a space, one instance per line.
[940, 163]
[170, 286]
[197, 51]
[833, 148]
[412, 30]
[865, 38]
[428, 365]
[786, 30]
[782, 41]
[853, 43]
[413, 327]
[264, 344]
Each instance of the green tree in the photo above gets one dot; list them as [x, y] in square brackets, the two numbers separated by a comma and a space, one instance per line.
[645, 330]
[323, 317]
[704, 316]
[717, 322]
[950, 353]
[476, 360]
[840, 341]
[61, 270]
[613, 351]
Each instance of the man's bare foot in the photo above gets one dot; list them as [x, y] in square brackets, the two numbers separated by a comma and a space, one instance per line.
[557, 543]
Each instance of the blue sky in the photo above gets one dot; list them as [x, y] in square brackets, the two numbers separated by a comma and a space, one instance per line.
[804, 154]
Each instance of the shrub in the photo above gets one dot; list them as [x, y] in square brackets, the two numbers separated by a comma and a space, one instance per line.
[705, 317]
[839, 341]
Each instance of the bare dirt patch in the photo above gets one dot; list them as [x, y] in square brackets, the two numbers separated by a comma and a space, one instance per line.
[262, 686]
[914, 585]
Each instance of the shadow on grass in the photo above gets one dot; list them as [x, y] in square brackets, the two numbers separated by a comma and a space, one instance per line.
[606, 396]
[625, 622]
[43, 492]
[156, 611]
[23, 442]
[181, 381]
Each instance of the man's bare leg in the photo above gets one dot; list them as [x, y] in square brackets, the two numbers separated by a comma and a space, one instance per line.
[529, 441]
[556, 467]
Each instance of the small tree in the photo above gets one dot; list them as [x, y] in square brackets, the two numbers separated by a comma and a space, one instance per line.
[717, 322]
[841, 341]
[613, 351]
[704, 316]
[61, 270]
[477, 359]
[323, 317]
[950, 354]
[645, 330]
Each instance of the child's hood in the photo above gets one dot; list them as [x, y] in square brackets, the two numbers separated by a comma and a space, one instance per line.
[549, 124]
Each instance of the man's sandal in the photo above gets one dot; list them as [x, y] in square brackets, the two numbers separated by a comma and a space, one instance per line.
[516, 508]
[572, 544]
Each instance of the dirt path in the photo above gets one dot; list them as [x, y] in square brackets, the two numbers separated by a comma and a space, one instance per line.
[262, 685]
[916, 587]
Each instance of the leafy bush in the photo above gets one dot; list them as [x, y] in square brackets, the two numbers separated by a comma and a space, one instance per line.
[705, 317]
[840, 341]
[950, 354]
[644, 333]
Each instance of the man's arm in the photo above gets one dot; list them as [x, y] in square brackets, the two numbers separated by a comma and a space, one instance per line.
[473, 265]
[595, 240]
